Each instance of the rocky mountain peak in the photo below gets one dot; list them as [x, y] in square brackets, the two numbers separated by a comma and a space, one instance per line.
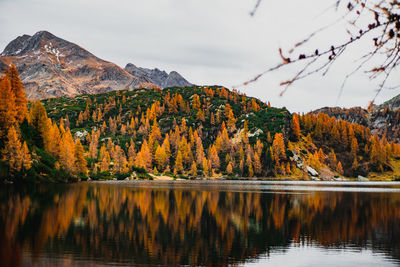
[393, 103]
[26, 43]
[159, 77]
[50, 66]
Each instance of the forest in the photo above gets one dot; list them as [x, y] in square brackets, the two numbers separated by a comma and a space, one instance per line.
[191, 132]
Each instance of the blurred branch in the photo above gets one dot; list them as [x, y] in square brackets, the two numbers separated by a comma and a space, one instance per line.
[253, 12]
[383, 30]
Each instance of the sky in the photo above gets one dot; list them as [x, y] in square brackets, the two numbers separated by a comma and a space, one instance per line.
[209, 42]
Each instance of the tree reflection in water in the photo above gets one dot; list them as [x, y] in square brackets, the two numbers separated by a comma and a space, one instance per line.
[212, 227]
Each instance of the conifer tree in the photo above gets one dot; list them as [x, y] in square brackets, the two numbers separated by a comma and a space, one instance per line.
[38, 118]
[104, 159]
[51, 138]
[16, 156]
[131, 153]
[146, 155]
[120, 162]
[229, 168]
[67, 151]
[295, 127]
[81, 164]
[94, 142]
[251, 171]
[193, 169]
[278, 147]
[21, 102]
[161, 158]
[196, 102]
[257, 164]
[354, 147]
[7, 107]
[213, 157]
[178, 163]
[245, 133]
[206, 170]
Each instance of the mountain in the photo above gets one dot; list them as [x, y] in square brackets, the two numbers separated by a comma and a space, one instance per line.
[158, 77]
[383, 120]
[52, 67]
[393, 103]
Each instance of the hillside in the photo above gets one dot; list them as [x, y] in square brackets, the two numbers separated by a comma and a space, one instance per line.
[52, 67]
[186, 132]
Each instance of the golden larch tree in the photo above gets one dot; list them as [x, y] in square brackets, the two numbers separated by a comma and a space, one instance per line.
[67, 151]
[278, 147]
[15, 154]
[81, 164]
[21, 102]
[7, 106]
[295, 127]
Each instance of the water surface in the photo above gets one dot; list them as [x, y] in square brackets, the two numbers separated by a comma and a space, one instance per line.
[202, 223]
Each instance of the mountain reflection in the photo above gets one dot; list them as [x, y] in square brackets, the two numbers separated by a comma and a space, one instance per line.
[164, 226]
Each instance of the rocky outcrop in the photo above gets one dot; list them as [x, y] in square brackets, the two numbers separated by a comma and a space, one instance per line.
[51, 67]
[161, 78]
[382, 120]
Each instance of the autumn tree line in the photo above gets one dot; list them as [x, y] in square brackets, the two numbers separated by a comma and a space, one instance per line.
[187, 132]
[32, 146]
[349, 148]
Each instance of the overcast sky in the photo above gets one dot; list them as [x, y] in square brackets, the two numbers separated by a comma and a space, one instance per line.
[207, 41]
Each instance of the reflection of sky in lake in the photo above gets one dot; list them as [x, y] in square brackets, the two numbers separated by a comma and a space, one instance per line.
[308, 256]
[283, 186]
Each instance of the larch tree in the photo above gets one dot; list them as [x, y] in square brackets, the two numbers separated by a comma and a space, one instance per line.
[196, 102]
[257, 164]
[178, 163]
[120, 162]
[146, 155]
[295, 127]
[7, 106]
[206, 170]
[81, 164]
[161, 158]
[213, 157]
[229, 168]
[67, 151]
[354, 147]
[104, 159]
[15, 154]
[21, 102]
[193, 169]
[38, 117]
[278, 147]
[94, 142]
[131, 153]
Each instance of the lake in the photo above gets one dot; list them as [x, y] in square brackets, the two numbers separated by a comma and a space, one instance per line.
[201, 223]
